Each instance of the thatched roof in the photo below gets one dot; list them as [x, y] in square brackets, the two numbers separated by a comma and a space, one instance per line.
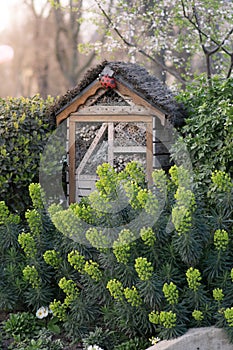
[137, 79]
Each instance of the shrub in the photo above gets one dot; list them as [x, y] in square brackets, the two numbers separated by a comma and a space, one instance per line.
[21, 326]
[149, 279]
[208, 132]
[24, 128]
[158, 280]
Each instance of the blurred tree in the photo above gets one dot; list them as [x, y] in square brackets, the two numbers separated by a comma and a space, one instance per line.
[39, 26]
[45, 41]
[68, 35]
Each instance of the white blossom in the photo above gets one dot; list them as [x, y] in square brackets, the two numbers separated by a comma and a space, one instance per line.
[94, 347]
[42, 312]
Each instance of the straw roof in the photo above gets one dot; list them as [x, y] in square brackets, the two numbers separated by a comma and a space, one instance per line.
[137, 79]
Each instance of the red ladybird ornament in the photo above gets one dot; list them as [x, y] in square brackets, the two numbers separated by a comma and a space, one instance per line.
[108, 82]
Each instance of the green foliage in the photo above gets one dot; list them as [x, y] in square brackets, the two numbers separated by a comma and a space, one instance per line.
[116, 289]
[171, 293]
[221, 239]
[51, 257]
[132, 344]
[143, 268]
[103, 337]
[28, 244]
[122, 246]
[43, 340]
[193, 278]
[24, 127]
[132, 296]
[21, 326]
[152, 281]
[31, 275]
[208, 131]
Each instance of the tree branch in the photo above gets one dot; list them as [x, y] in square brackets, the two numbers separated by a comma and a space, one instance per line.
[200, 31]
[139, 50]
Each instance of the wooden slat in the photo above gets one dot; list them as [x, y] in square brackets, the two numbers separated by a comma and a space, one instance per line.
[109, 110]
[72, 162]
[110, 143]
[86, 177]
[149, 151]
[79, 100]
[84, 183]
[140, 101]
[83, 192]
[129, 149]
[110, 118]
[92, 147]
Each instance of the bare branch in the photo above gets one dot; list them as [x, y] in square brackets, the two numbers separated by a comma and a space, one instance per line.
[31, 4]
[200, 31]
[139, 50]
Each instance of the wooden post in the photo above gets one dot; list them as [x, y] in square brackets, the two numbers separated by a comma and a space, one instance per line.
[149, 151]
[110, 143]
[72, 157]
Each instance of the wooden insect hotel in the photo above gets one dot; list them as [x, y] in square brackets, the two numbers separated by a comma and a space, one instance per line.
[118, 113]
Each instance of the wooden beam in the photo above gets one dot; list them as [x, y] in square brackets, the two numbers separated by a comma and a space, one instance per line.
[78, 101]
[149, 151]
[110, 143]
[129, 149]
[72, 162]
[110, 118]
[140, 101]
[112, 109]
[92, 147]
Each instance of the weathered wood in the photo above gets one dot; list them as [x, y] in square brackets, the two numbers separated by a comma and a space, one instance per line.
[129, 149]
[85, 184]
[108, 110]
[86, 177]
[110, 143]
[140, 101]
[72, 162]
[92, 147]
[78, 101]
[110, 118]
[83, 192]
[92, 99]
[149, 151]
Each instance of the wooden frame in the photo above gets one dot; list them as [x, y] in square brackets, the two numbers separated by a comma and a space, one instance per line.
[96, 89]
[108, 121]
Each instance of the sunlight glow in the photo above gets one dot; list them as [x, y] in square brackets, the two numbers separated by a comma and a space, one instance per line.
[4, 14]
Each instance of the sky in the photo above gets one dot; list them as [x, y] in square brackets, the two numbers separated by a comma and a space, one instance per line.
[5, 12]
[8, 13]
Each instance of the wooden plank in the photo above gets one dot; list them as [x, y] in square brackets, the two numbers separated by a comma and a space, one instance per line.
[86, 177]
[110, 143]
[72, 163]
[110, 118]
[124, 90]
[92, 147]
[149, 151]
[108, 110]
[78, 101]
[92, 99]
[83, 192]
[130, 149]
[84, 183]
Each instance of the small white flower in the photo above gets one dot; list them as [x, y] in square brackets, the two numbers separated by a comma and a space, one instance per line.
[154, 340]
[42, 312]
[94, 347]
